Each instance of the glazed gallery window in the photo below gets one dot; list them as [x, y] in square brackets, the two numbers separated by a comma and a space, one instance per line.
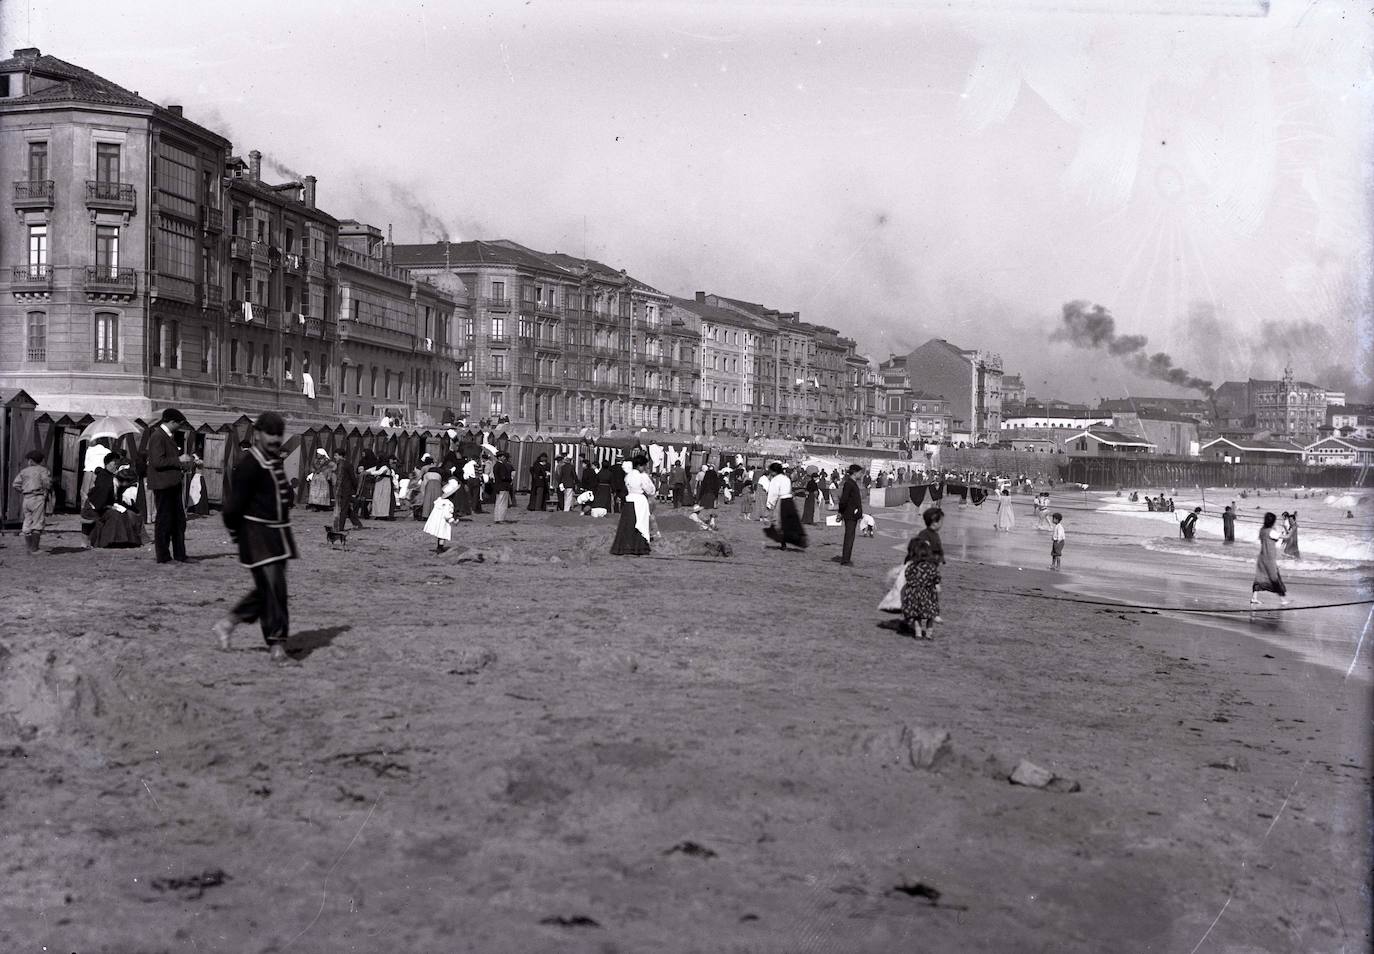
[107, 251]
[38, 250]
[107, 162]
[176, 248]
[498, 403]
[207, 340]
[173, 351]
[36, 336]
[176, 179]
[38, 161]
[106, 336]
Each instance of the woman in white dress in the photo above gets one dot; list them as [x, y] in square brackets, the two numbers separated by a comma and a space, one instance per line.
[786, 526]
[1006, 520]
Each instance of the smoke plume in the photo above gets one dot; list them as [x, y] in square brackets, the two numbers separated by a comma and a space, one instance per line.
[430, 226]
[283, 168]
[1092, 327]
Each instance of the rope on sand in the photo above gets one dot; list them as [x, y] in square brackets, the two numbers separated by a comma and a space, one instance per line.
[1144, 608]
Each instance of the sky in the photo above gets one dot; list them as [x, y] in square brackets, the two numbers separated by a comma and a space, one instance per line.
[895, 170]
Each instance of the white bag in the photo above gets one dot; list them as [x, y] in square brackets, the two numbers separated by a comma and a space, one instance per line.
[892, 601]
[834, 521]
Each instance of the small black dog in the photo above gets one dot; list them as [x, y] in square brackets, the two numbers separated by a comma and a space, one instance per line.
[333, 536]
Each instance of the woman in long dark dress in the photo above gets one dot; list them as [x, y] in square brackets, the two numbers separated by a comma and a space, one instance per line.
[921, 592]
[603, 488]
[1267, 577]
[539, 483]
[786, 526]
[632, 532]
[812, 493]
[118, 523]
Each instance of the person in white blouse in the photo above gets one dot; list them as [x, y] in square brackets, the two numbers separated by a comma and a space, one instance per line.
[786, 526]
[632, 534]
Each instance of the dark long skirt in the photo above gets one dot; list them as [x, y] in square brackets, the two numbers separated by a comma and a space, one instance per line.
[788, 528]
[539, 497]
[809, 510]
[115, 529]
[628, 541]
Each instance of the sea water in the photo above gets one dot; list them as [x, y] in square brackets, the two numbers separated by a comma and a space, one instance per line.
[1119, 550]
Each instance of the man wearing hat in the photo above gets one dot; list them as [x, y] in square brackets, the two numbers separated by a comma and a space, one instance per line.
[257, 513]
[503, 482]
[851, 507]
[167, 467]
[566, 476]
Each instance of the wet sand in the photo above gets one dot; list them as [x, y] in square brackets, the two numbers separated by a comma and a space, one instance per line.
[673, 753]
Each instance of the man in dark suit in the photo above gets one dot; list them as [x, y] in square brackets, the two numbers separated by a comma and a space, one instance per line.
[567, 482]
[851, 508]
[257, 513]
[167, 467]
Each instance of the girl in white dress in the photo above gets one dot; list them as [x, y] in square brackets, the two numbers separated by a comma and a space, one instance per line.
[441, 518]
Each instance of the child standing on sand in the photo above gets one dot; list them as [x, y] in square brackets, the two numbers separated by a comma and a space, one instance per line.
[34, 482]
[1056, 539]
[441, 518]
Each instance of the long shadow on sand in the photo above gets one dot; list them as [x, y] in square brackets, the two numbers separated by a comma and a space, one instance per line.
[301, 645]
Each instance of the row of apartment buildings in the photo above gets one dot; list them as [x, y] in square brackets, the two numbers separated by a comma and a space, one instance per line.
[149, 265]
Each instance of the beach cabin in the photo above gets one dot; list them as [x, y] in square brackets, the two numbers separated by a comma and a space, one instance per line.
[1251, 450]
[1104, 442]
[1339, 452]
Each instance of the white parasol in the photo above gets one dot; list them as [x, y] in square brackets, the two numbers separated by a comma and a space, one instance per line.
[109, 427]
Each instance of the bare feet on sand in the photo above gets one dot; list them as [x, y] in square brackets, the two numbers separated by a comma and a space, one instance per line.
[224, 631]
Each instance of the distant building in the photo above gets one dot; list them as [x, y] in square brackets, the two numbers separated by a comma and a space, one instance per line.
[1243, 450]
[1051, 417]
[971, 380]
[1350, 420]
[1172, 434]
[727, 385]
[1285, 408]
[1013, 389]
[1201, 410]
[1339, 451]
[1105, 442]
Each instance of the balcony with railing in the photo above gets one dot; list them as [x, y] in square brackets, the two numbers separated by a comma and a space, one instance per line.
[111, 196]
[107, 283]
[293, 263]
[549, 309]
[239, 247]
[212, 296]
[212, 220]
[496, 304]
[315, 267]
[346, 256]
[464, 377]
[350, 330]
[33, 194]
[502, 340]
[31, 280]
[496, 374]
[259, 252]
[314, 327]
[246, 312]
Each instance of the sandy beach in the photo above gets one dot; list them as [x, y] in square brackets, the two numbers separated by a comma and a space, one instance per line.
[561, 750]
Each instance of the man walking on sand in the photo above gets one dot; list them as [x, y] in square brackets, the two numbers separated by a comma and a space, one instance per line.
[257, 513]
[851, 509]
[167, 468]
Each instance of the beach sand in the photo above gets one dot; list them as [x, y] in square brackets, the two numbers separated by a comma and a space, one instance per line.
[671, 754]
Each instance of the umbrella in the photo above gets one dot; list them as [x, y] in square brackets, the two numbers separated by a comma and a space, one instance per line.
[109, 427]
[812, 469]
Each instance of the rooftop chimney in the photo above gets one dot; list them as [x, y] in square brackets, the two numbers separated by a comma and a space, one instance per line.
[174, 110]
[28, 51]
[701, 298]
[255, 166]
[309, 182]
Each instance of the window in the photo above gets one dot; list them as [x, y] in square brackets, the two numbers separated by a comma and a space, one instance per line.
[38, 161]
[106, 336]
[107, 162]
[159, 342]
[107, 251]
[174, 346]
[207, 340]
[250, 354]
[286, 364]
[38, 251]
[261, 299]
[233, 355]
[324, 368]
[373, 391]
[465, 402]
[176, 248]
[498, 291]
[290, 299]
[498, 402]
[237, 229]
[498, 363]
[176, 179]
[267, 360]
[498, 327]
[37, 340]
